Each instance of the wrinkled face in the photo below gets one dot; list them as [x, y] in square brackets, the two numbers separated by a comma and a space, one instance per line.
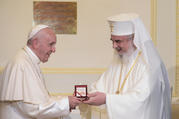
[45, 45]
[122, 43]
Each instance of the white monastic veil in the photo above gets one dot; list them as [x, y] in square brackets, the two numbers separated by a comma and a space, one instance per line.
[143, 42]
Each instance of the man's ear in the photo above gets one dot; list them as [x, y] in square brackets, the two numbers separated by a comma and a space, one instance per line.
[35, 43]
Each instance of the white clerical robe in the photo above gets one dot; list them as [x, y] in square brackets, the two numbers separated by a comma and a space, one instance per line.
[23, 94]
[139, 96]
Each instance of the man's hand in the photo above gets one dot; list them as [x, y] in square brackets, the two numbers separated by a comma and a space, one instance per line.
[73, 101]
[96, 98]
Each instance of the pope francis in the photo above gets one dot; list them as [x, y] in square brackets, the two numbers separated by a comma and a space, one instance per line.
[23, 94]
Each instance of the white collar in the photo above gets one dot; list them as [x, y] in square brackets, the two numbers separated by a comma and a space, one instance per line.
[32, 55]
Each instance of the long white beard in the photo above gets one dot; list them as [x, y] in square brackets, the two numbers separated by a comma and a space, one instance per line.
[124, 58]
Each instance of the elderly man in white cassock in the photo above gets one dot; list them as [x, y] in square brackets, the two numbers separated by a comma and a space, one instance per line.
[136, 85]
[23, 94]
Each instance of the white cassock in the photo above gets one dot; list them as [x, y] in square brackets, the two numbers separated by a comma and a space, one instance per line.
[138, 88]
[23, 94]
[138, 97]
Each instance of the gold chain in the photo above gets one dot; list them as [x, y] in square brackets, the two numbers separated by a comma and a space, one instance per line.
[122, 86]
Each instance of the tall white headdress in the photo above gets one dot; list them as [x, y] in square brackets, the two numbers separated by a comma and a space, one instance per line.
[121, 24]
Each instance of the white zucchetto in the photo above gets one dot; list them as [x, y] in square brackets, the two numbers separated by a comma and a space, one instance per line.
[121, 24]
[35, 30]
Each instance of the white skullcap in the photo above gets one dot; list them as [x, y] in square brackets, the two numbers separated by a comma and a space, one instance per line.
[36, 29]
[122, 24]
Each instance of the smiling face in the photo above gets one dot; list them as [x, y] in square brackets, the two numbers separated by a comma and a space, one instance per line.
[44, 44]
[122, 44]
